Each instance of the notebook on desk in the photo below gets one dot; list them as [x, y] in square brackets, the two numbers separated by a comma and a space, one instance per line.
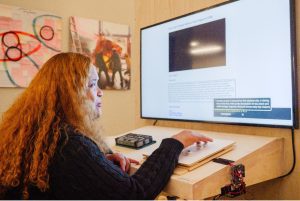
[196, 153]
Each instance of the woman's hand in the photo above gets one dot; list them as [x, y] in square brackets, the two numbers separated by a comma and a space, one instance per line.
[188, 138]
[121, 160]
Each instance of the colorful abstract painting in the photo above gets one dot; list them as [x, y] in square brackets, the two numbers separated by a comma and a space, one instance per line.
[27, 39]
[108, 45]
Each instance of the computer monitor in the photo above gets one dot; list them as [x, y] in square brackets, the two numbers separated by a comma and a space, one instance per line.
[232, 63]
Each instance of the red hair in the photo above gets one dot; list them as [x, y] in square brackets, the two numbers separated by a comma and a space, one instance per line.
[30, 128]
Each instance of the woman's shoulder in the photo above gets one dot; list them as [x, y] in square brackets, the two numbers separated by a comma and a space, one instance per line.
[69, 133]
[72, 141]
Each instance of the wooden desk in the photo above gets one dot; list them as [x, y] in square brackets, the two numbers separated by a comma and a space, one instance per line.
[261, 156]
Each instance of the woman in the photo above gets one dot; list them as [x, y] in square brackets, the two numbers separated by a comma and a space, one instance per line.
[50, 148]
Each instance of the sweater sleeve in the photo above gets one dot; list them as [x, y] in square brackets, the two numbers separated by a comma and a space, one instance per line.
[81, 171]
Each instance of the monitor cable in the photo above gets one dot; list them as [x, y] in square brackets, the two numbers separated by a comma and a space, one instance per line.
[294, 155]
[154, 123]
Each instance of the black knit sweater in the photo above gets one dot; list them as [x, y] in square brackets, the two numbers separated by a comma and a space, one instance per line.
[79, 170]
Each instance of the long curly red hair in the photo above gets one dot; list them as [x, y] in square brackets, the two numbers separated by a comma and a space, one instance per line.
[30, 128]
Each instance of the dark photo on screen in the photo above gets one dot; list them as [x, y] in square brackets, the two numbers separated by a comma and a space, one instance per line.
[198, 47]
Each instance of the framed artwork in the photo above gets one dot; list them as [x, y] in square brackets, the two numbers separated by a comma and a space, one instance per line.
[28, 38]
[108, 45]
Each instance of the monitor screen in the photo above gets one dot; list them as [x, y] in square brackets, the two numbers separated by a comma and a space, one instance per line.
[232, 63]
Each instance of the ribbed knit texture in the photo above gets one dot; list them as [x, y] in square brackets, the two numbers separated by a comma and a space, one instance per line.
[80, 170]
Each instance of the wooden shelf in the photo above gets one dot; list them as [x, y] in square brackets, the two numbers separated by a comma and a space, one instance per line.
[262, 157]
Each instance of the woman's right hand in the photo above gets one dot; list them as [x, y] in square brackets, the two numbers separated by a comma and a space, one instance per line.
[188, 138]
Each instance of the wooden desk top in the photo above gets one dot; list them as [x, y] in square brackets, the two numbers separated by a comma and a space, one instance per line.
[261, 156]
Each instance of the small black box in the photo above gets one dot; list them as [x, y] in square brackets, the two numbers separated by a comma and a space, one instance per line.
[133, 140]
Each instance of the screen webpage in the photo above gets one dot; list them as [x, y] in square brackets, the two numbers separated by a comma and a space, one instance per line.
[231, 63]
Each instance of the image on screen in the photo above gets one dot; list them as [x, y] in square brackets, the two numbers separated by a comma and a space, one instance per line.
[232, 63]
[196, 47]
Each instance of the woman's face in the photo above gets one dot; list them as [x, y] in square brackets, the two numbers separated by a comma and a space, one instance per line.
[94, 93]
